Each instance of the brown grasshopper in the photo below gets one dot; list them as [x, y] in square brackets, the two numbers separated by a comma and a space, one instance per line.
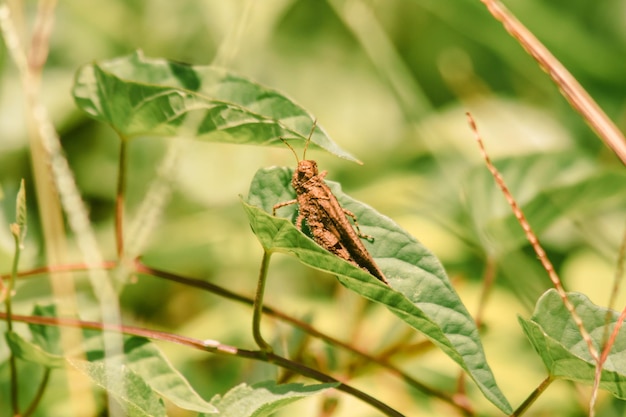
[325, 217]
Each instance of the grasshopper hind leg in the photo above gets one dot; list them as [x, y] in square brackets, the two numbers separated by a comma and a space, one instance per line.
[356, 226]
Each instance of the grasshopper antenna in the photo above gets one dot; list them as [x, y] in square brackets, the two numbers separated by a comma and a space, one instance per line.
[290, 147]
[309, 138]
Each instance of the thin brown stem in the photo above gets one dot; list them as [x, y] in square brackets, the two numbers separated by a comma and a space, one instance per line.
[609, 340]
[534, 242]
[319, 376]
[59, 268]
[383, 361]
[213, 347]
[617, 279]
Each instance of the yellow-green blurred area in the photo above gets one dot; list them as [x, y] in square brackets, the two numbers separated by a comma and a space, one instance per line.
[390, 81]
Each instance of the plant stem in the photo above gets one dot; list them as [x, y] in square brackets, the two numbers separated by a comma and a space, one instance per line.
[119, 199]
[532, 397]
[381, 359]
[16, 261]
[9, 295]
[319, 376]
[40, 391]
[257, 307]
[534, 242]
[210, 346]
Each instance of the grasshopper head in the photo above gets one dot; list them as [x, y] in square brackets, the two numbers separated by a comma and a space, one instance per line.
[306, 170]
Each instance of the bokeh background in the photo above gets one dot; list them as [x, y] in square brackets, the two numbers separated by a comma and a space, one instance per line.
[390, 81]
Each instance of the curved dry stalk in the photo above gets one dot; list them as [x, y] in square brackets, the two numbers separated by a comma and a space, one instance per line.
[534, 242]
[571, 89]
[609, 340]
[51, 167]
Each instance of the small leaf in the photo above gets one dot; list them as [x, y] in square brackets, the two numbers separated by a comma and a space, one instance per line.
[420, 292]
[18, 229]
[147, 361]
[32, 353]
[21, 205]
[556, 338]
[263, 399]
[129, 389]
[139, 96]
[47, 337]
[141, 356]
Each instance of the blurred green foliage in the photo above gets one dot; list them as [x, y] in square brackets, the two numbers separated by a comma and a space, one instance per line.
[390, 81]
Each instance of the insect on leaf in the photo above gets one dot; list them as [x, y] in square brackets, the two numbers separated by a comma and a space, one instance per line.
[420, 292]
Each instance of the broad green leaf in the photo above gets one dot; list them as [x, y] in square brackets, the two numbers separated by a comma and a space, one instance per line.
[139, 96]
[131, 389]
[47, 337]
[32, 353]
[554, 335]
[547, 187]
[147, 361]
[141, 356]
[128, 388]
[263, 399]
[420, 292]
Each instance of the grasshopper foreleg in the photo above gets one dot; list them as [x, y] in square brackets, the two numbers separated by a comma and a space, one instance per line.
[283, 204]
[300, 217]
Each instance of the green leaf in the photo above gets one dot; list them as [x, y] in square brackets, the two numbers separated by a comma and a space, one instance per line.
[47, 337]
[147, 361]
[139, 96]
[547, 187]
[263, 399]
[128, 388]
[21, 205]
[30, 352]
[420, 292]
[554, 335]
[141, 356]
[19, 227]
[148, 364]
